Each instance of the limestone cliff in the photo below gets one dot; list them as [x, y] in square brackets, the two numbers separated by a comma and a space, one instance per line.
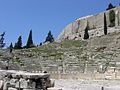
[75, 30]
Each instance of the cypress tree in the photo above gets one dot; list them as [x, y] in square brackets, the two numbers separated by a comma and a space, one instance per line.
[112, 18]
[18, 45]
[2, 44]
[11, 47]
[29, 41]
[86, 35]
[105, 24]
[49, 37]
[40, 44]
[110, 6]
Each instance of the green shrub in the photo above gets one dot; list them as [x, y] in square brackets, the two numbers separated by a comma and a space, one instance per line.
[86, 34]
[112, 18]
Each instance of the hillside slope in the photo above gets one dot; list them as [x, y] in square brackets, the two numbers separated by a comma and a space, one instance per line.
[87, 56]
[71, 53]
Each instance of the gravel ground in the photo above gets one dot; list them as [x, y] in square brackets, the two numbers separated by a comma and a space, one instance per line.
[88, 84]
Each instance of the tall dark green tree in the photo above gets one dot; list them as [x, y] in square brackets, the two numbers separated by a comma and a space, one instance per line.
[29, 41]
[110, 6]
[2, 44]
[49, 37]
[105, 24]
[18, 45]
[86, 34]
[112, 18]
[11, 47]
[40, 44]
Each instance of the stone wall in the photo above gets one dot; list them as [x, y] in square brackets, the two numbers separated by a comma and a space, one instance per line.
[75, 30]
[111, 74]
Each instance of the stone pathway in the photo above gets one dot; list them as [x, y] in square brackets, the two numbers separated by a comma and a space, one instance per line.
[88, 84]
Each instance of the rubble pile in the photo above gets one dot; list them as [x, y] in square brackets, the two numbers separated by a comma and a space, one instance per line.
[22, 80]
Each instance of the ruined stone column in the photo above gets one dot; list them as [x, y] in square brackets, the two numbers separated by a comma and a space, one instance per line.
[86, 64]
[63, 64]
[116, 18]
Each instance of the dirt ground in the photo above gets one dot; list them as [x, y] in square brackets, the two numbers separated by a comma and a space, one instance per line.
[88, 84]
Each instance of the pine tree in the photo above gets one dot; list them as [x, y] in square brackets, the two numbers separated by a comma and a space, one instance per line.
[49, 37]
[86, 35]
[30, 41]
[11, 47]
[105, 25]
[18, 45]
[40, 44]
[110, 6]
[112, 18]
[2, 44]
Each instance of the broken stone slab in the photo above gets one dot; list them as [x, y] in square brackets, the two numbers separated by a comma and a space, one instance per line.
[13, 82]
[1, 84]
[10, 88]
[25, 84]
[29, 89]
[6, 85]
[22, 84]
[24, 74]
[27, 75]
[26, 80]
[54, 88]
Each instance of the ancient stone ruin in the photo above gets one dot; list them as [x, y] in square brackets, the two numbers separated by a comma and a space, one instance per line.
[21, 80]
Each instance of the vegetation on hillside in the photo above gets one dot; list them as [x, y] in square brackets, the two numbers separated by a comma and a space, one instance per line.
[112, 18]
[29, 41]
[18, 45]
[105, 24]
[49, 37]
[110, 6]
[2, 44]
[11, 46]
[86, 34]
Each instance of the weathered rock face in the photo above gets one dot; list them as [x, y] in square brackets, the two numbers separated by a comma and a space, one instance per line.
[75, 30]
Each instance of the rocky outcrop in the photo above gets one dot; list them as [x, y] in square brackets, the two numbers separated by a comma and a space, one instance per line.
[75, 30]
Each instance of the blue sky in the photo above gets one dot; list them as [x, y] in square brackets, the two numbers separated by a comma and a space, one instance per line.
[18, 17]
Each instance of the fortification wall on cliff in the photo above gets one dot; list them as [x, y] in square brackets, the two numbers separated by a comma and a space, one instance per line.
[75, 30]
